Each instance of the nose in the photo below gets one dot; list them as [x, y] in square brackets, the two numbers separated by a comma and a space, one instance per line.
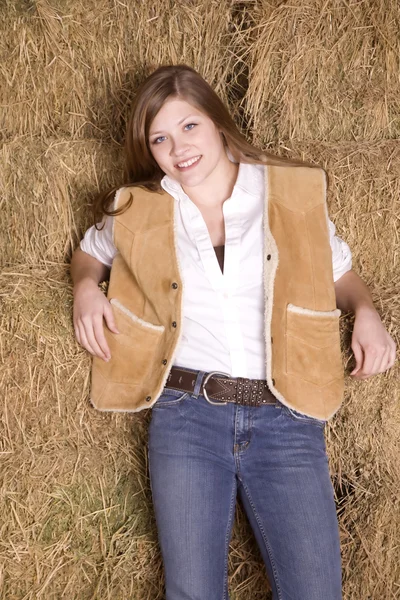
[179, 148]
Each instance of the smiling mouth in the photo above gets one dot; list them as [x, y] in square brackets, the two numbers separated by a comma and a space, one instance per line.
[188, 163]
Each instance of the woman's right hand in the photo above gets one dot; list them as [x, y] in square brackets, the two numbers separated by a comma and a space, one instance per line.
[91, 309]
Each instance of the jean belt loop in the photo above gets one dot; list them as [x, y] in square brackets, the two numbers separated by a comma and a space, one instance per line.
[199, 381]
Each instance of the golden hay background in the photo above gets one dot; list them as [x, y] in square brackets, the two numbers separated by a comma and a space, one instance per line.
[317, 79]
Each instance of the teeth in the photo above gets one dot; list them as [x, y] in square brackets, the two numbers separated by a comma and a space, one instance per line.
[189, 162]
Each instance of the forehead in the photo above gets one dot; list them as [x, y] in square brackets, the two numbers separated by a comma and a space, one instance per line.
[172, 111]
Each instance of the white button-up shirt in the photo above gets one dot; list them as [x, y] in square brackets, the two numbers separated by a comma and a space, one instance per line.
[223, 313]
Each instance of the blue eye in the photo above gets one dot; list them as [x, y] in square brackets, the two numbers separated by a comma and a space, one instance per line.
[161, 138]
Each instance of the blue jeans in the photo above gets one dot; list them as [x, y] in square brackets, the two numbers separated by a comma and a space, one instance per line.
[202, 456]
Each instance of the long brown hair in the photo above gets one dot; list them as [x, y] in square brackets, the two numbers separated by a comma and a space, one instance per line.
[175, 81]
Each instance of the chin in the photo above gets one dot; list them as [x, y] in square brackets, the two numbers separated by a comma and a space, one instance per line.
[191, 183]
[193, 179]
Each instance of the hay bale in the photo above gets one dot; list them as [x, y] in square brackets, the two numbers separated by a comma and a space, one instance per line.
[324, 70]
[77, 520]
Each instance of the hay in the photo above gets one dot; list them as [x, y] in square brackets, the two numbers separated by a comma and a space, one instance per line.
[319, 80]
[342, 60]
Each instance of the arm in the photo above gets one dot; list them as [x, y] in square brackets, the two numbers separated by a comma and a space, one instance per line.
[87, 268]
[91, 307]
[373, 347]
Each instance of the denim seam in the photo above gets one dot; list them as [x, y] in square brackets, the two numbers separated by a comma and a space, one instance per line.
[242, 446]
[171, 402]
[149, 469]
[227, 537]
[304, 419]
[199, 381]
[267, 545]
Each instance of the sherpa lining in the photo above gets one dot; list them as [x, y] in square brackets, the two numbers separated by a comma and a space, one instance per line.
[114, 301]
[270, 247]
[134, 318]
[314, 313]
[158, 392]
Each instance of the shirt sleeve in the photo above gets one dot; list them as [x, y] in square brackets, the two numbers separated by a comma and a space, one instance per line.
[341, 253]
[99, 242]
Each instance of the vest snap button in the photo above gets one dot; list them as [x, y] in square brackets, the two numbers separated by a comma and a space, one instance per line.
[173, 323]
[148, 398]
[164, 362]
[268, 257]
[174, 285]
[273, 381]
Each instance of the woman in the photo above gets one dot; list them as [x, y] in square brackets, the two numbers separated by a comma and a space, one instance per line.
[222, 317]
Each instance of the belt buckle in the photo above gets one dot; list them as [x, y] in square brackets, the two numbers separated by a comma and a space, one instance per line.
[206, 379]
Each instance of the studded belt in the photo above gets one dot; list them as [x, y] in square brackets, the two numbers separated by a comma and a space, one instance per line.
[219, 388]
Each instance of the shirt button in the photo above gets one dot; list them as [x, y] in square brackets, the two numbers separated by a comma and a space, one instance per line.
[273, 381]
[164, 362]
[148, 398]
[268, 257]
[173, 323]
[175, 285]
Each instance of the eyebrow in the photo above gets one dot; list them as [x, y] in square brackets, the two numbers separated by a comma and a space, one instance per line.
[179, 122]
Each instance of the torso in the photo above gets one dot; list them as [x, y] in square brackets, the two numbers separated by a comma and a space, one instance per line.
[214, 219]
[215, 223]
[220, 254]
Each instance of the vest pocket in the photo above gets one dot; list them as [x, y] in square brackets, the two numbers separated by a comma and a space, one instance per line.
[313, 345]
[132, 350]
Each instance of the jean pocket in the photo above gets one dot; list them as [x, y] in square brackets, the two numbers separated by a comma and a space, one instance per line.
[170, 397]
[302, 418]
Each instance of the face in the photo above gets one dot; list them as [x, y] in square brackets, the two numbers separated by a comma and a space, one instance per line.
[186, 144]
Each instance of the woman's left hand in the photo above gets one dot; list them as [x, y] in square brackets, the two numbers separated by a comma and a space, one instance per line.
[374, 349]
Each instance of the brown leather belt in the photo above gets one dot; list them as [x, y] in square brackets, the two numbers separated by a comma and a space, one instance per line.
[218, 388]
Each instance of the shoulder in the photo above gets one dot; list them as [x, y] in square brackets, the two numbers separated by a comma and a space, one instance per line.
[142, 208]
[297, 188]
[298, 171]
[298, 177]
[127, 195]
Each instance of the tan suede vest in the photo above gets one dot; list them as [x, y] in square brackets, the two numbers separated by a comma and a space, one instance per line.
[302, 343]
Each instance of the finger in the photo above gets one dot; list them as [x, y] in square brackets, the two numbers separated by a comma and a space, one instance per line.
[75, 323]
[358, 355]
[109, 318]
[98, 329]
[393, 354]
[77, 334]
[385, 360]
[92, 340]
[372, 362]
[84, 342]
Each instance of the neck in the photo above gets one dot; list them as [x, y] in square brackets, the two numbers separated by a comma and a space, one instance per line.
[217, 188]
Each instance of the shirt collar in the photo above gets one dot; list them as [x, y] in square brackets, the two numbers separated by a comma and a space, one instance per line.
[250, 180]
